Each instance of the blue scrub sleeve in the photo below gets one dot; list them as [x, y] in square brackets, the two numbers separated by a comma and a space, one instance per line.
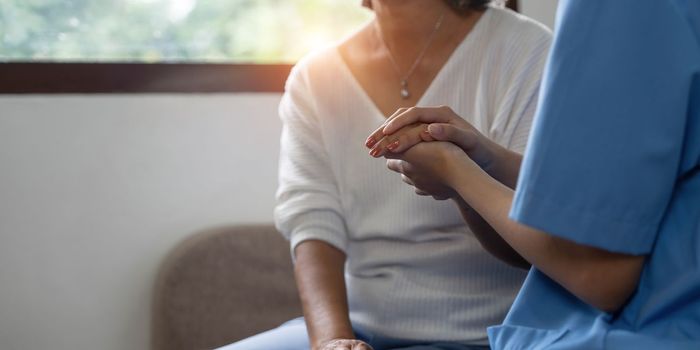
[602, 161]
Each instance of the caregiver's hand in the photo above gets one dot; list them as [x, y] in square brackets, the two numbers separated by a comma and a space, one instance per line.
[344, 344]
[431, 167]
[397, 134]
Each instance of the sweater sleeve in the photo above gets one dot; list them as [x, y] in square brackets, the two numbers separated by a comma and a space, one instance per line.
[515, 108]
[308, 203]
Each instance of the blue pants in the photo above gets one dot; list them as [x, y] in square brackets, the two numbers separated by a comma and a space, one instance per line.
[292, 336]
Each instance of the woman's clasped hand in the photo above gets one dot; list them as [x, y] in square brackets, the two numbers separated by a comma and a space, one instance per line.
[430, 146]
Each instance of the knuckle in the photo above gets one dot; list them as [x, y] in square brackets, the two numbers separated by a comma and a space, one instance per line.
[391, 164]
[445, 108]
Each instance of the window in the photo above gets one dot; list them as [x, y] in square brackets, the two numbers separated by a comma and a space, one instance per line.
[183, 46]
[234, 31]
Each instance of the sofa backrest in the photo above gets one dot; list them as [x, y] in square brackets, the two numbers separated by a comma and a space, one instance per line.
[223, 285]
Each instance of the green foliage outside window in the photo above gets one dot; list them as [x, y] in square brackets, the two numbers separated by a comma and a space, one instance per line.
[255, 31]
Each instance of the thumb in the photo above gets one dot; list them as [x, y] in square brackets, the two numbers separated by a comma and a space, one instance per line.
[465, 139]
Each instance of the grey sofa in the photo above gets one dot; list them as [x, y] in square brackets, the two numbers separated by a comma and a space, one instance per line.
[223, 285]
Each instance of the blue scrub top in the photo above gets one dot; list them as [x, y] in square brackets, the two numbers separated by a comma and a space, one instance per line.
[613, 162]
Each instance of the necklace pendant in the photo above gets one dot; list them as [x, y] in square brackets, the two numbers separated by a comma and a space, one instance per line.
[404, 90]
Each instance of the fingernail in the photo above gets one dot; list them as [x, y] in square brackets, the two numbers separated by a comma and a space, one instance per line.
[370, 142]
[435, 129]
[374, 152]
[392, 146]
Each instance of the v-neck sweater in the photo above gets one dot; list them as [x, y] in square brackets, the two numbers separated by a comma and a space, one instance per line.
[414, 269]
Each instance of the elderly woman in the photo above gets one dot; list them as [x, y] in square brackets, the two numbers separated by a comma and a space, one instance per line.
[376, 266]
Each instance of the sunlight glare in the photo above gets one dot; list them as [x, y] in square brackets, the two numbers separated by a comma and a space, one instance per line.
[180, 9]
[316, 39]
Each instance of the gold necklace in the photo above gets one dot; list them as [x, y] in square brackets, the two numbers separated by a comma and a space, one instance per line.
[405, 94]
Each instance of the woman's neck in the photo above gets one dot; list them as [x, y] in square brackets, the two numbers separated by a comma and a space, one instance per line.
[407, 25]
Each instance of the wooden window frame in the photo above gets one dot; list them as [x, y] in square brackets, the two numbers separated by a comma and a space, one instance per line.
[103, 78]
[113, 77]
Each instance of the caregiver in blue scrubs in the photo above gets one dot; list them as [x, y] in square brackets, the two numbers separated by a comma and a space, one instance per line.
[607, 206]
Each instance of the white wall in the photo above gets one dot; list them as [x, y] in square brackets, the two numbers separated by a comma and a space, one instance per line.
[95, 190]
[541, 10]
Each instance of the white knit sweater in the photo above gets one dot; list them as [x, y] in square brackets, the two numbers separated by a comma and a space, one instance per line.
[414, 269]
